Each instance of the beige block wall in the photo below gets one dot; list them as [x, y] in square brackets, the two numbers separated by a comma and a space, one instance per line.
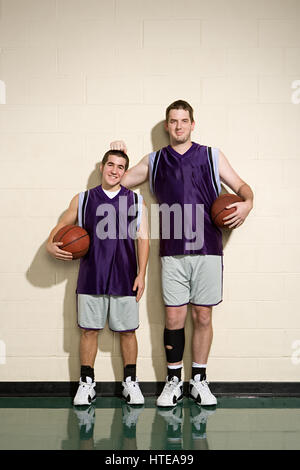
[81, 73]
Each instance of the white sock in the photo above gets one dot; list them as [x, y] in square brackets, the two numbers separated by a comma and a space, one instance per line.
[195, 364]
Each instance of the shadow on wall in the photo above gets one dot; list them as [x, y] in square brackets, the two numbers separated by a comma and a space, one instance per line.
[59, 272]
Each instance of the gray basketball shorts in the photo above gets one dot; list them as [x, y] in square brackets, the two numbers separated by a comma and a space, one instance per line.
[195, 279]
[93, 310]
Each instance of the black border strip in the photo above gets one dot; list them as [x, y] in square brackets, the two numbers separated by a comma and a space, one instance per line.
[110, 389]
[136, 203]
[212, 170]
[83, 207]
[156, 158]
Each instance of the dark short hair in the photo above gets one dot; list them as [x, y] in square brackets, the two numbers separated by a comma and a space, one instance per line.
[117, 153]
[180, 104]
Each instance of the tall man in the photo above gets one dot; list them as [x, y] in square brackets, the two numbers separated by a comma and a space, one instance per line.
[188, 174]
[110, 280]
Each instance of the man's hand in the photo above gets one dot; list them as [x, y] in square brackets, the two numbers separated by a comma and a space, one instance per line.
[242, 189]
[237, 218]
[118, 145]
[139, 285]
[56, 252]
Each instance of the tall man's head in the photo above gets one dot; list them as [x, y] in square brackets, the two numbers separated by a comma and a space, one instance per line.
[179, 122]
[113, 166]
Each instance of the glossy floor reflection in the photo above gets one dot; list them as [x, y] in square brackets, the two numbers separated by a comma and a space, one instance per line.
[236, 423]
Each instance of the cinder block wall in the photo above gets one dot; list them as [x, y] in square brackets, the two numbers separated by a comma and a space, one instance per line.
[76, 74]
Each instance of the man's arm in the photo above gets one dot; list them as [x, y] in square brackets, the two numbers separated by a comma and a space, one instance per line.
[142, 253]
[240, 187]
[68, 218]
[136, 175]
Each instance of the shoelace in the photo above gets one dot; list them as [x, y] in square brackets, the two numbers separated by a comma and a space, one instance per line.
[133, 385]
[132, 382]
[86, 385]
[204, 382]
[168, 388]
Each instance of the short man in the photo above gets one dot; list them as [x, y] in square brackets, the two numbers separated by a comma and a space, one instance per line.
[108, 283]
[188, 174]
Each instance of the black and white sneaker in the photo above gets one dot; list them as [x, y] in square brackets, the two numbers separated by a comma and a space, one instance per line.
[131, 392]
[86, 392]
[172, 393]
[200, 392]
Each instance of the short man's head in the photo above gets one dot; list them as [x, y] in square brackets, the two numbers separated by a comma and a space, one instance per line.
[117, 153]
[180, 104]
[113, 166]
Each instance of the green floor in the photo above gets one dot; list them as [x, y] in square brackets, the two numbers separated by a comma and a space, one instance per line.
[236, 423]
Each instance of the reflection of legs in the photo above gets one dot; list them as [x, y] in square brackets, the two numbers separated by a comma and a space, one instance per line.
[129, 350]
[86, 422]
[173, 418]
[130, 419]
[198, 420]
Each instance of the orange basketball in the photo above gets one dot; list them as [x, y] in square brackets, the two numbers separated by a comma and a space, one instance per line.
[219, 211]
[75, 239]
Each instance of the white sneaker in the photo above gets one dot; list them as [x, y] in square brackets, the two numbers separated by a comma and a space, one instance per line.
[199, 391]
[132, 392]
[86, 392]
[172, 393]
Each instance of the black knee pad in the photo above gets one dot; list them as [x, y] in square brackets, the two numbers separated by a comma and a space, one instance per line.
[175, 339]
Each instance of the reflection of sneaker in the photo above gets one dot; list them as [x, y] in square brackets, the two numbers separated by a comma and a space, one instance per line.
[198, 420]
[131, 414]
[130, 418]
[86, 392]
[173, 418]
[86, 421]
[199, 391]
[172, 393]
[132, 392]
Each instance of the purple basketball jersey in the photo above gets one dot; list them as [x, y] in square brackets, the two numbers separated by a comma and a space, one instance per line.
[110, 266]
[187, 181]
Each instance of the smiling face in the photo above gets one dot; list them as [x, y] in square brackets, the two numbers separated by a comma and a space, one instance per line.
[179, 126]
[112, 172]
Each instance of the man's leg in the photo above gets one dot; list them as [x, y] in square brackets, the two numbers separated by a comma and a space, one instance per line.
[86, 392]
[174, 348]
[201, 344]
[175, 321]
[129, 349]
[202, 334]
[88, 347]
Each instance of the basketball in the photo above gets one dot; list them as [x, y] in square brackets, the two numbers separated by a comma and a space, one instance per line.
[75, 239]
[219, 211]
